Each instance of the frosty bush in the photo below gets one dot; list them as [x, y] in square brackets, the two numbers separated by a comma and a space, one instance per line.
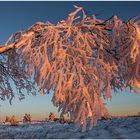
[63, 119]
[12, 121]
[81, 59]
[52, 116]
[27, 118]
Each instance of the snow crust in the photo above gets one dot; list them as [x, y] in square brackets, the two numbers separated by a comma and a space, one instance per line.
[118, 128]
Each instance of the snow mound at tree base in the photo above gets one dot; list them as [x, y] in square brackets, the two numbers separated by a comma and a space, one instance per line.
[121, 128]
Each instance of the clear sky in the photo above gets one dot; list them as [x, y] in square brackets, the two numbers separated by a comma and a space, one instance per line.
[17, 16]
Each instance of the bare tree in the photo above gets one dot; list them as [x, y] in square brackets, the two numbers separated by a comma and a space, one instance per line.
[81, 59]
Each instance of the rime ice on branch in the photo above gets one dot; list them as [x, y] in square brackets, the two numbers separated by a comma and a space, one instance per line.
[81, 59]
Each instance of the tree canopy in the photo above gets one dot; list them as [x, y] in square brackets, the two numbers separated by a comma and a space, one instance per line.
[81, 59]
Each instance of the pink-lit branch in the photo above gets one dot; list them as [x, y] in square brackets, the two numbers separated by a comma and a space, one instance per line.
[81, 59]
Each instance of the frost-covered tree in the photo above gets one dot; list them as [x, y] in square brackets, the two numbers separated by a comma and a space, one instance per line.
[12, 120]
[27, 118]
[52, 116]
[81, 59]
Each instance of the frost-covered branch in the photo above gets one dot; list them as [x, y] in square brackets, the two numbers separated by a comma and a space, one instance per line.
[81, 59]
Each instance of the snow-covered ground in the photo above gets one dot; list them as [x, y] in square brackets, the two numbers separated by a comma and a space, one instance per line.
[128, 127]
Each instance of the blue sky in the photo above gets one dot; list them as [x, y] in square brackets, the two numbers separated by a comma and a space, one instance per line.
[17, 16]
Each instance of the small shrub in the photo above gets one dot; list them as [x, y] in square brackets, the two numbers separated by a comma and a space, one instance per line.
[52, 117]
[27, 118]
